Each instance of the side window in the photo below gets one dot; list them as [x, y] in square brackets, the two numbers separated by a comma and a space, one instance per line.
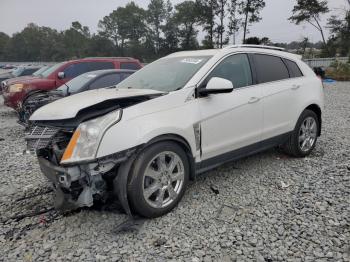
[105, 81]
[129, 65]
[29, 71]
[294, 70]
[92, 66]
[236, 69]
[125, 75]
[270, 68]
[77, 69]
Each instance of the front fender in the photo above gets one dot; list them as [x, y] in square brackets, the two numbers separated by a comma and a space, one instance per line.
[136, 131]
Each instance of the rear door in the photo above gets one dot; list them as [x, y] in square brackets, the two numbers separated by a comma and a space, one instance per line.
[233, 120]
[279, 96]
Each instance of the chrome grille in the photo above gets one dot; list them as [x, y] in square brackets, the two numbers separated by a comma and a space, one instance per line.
[39, 137]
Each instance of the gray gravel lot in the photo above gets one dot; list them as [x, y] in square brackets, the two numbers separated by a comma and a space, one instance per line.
[268, 207]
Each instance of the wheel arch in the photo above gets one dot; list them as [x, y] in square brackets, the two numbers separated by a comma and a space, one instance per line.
[317, 110]
[182, 142]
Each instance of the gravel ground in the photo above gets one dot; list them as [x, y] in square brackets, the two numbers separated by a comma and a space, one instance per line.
[268, 207]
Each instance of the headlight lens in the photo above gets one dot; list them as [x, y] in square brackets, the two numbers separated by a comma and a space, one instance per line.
[86, 138]
[16, 88]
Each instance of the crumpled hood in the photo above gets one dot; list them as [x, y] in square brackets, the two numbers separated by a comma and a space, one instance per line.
[68, 107]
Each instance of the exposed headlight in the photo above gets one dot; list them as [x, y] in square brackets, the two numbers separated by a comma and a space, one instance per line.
[16, 88]
[86, 138]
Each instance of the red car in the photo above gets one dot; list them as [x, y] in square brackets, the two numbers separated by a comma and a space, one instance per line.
[57, 75]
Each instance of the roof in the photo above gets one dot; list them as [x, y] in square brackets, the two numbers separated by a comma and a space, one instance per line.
[204, 52]
[238, 48]
[124, 59]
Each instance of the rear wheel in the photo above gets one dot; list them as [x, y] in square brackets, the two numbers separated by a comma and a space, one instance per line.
[158, 180]
[304, 137]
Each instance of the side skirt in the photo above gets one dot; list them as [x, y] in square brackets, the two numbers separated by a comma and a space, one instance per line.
[216, 161]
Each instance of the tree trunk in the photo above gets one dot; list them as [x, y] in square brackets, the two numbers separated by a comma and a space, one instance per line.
[222, 11]
[212, 24]
[246, 20]
[323, 38]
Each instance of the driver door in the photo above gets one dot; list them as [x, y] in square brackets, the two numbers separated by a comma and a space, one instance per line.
[231, 121]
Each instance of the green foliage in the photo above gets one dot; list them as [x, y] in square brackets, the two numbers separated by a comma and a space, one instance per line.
[339, 71]
[186, 17]
[251, 11]
[310, 11]
[258, 41]
[148, 34]
[339, 41]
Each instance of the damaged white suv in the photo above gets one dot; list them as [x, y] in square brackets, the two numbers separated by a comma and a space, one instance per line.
[143, 140]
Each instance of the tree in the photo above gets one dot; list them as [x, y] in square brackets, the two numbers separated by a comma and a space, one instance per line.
[125, 26]
[207, 10]
[340, 30]
[220, 28]
[4, 39]
[310, 11]
[233, 24]
[258, 41]
[76, 40]
[170, 31]
[186, 17]
[156, 14]
[304, 44]
[251, 11]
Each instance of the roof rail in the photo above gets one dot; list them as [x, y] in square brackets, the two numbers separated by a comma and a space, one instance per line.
[256, 46]
[109, 57]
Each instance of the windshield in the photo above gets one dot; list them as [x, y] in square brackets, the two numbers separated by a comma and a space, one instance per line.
[17, 72]
[77, 83]
[50, 70]
[166, 74]
[38, 72]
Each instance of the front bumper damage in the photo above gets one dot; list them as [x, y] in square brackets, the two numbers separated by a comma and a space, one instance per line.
[82, 184]
[74, 186]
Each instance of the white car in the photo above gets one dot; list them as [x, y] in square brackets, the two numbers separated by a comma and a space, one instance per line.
[177, 117]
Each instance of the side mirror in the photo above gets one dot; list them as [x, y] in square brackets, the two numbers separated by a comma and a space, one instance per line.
[217, 85]
[60, 75]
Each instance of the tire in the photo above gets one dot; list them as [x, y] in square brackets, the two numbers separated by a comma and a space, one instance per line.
[152, 189]
[294, 145]
[24, 114]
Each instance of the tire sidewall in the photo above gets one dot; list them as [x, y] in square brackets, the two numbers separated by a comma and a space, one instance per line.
[135, 188]
[303, 116]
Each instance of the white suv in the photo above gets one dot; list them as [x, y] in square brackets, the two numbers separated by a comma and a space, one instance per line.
[179, 116]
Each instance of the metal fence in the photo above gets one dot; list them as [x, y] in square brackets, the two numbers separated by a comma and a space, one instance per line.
[324, 62]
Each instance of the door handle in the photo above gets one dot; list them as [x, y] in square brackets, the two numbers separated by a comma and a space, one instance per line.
[295, 87]
[253, 100]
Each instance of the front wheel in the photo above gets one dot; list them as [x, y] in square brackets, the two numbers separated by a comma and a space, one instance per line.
[158, 179]
[303, 139]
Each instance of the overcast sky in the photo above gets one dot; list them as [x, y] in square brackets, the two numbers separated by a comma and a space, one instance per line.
[59, 14]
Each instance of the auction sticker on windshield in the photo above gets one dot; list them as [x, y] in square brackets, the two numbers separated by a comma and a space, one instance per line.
[191, 60]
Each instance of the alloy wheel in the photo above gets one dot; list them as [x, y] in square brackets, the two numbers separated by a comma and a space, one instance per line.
[163, 179]
[307, 134]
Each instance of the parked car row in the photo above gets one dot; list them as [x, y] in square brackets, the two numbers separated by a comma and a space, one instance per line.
[144, 139]
[17, 72]
[17, 92]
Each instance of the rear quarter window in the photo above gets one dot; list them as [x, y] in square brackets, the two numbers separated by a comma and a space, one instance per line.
[270, 68]
[106, 81]
[293, 68]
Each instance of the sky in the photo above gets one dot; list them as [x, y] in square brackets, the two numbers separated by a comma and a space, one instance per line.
[16, 14]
